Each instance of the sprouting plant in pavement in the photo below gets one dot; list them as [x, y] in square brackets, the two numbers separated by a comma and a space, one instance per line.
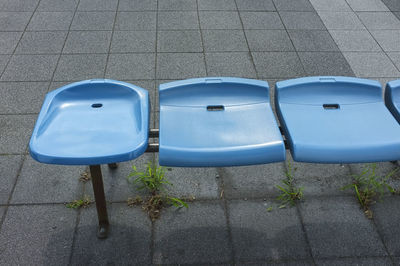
[289, 193]
[80, 203]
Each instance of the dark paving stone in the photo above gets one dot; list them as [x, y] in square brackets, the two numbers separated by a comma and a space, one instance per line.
[128, 243]
[255, 5]
[18, 5]
[379, 20]
[137, 5]
[50, 21]
[214, 20]
[180, 66]
[136, 21]
[293, 5]
[57, 5]
[87, 42]
[37, 235]
[131, 66]
[198, 234]
[14, 21]
[22, 97]
[178, 20]
[9, 167]
[224, 41]
[368, 64]
[3, 62]
[397, 14]
[393, 5]
[355, 261]
[179, 41]
[8, 41]
[312, 40]
[261, 20]
[39, 42]
[166, 5]
[260, 234]
[237, 64]
[216, 4]
[80, 67]
[133, 41]
[337, 227]
[328, 64]
[302, 21]
[382, 170]
[93, 21]
[15, 131]
[269, 40]
[277, 64]
[97, 5]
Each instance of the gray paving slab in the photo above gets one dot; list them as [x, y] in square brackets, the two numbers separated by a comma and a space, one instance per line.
[50, 21]
[98, 5]
[44, 183]
[166, 5]
[312, 40]
[180, 65]
[41, 42]
[133, 41]
[379, 20]
[255, 5]
[80, 67]
[3, 62]
[87, 42]
[395, 57]
[371, 64]
[302, 20]
[277, 64]
[137, 5]
[293, 5]
[14, 21]
[355, 261]
[37, 235]
[15, 131]
[18, 5]
[178, 20]
[367, 5]
[325, 63]
[337, 227]
[179, 41]
[260, 234]
[224, 41]
[129, 239]
[341, 21]
[8, 41]
[22, 97]
[355, 41]
[198, 234]
[327, 5]
[261, 20]
[397, 14]
[216, 20]
[216, 4]
[57, 5]
[9, 167]
[269, 41]
[131, 66]
[237, 64]
[30, 68]
[393, 5]
[93, 20]
[145, 20]
[389, 40]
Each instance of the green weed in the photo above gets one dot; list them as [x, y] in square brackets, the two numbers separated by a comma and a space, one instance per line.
[289, 192]
[80, 203]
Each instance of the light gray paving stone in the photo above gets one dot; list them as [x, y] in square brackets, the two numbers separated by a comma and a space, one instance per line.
[8, 41]
[87, 42]
[15, 131]
[80, 67]
[129, 240]
[312, 40]
[133, 41]
[260, 234]
[57, 5]
[395, 57]
[219, 20]
[130, 66]
[198, 234]
[97, 5]
[327, 5]
[302, 20]
[50, 21]
[136, 21]
[22, 97]
[269, 40]
[277, 64]
[379, 20]
[30, 68]
[337, 227]
[165, 5]
[293, 5]
[236, 64]
[137, 5]
[384, 261]
[389, 40]
[14, 21]
[261, 20]
[371, 64]
[41, 42]
[3, 62]
[355, 41]
[37, 235]
[367, 5]
[179, 41]
[18, 5]
[325, 64]
[9, 167]
[178, 20]
[255, 5]
[224, 41]
[216, 4]
[180, 66]
[341, 21]
[93, 21]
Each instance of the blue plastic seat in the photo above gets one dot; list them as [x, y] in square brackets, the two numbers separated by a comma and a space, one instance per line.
[217, 122]
[92, 122]
[392, 98]
[337, 120]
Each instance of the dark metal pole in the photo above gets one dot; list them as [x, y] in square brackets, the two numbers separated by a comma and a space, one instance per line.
[98, 189]
[113, 165]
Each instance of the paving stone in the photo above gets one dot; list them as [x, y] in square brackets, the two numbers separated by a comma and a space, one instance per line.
[18, 5]
[327, 5]
[355, 261]
[354, 41]
[41, 42]
[137, 5]
[277, 64]
[216, 20]
[3, 62]
[312, 40]
[14, 21]
[302, 20]
[80, 67]
[367, 5]
[133, 41]
[97, 5]
[136, 21]
[87, 42]
[397, 14]
[165, 5]
[393, 5]
[130, 66]
[293, 5]
[93, 21]
[30, 68]
[178, 20]
[50, 21]
[129, 240]
[57, 5]
[371, 64]
[395, 57]
[261, 20]
[8, 41]
[337, 227]
[389, 40]
[235, 64]
[198, 234]
[179, 41]
[379, 20]
[341, 21]
[216, 4]
[37, 235]
[15, 131]
[22, 97]
[255, 5]
[323, 63]
[224, 41]
[9, 167]
[180, 66]
[259, 234]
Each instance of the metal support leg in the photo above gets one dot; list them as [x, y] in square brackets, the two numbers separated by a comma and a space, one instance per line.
[98, 189]
[113, 165]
